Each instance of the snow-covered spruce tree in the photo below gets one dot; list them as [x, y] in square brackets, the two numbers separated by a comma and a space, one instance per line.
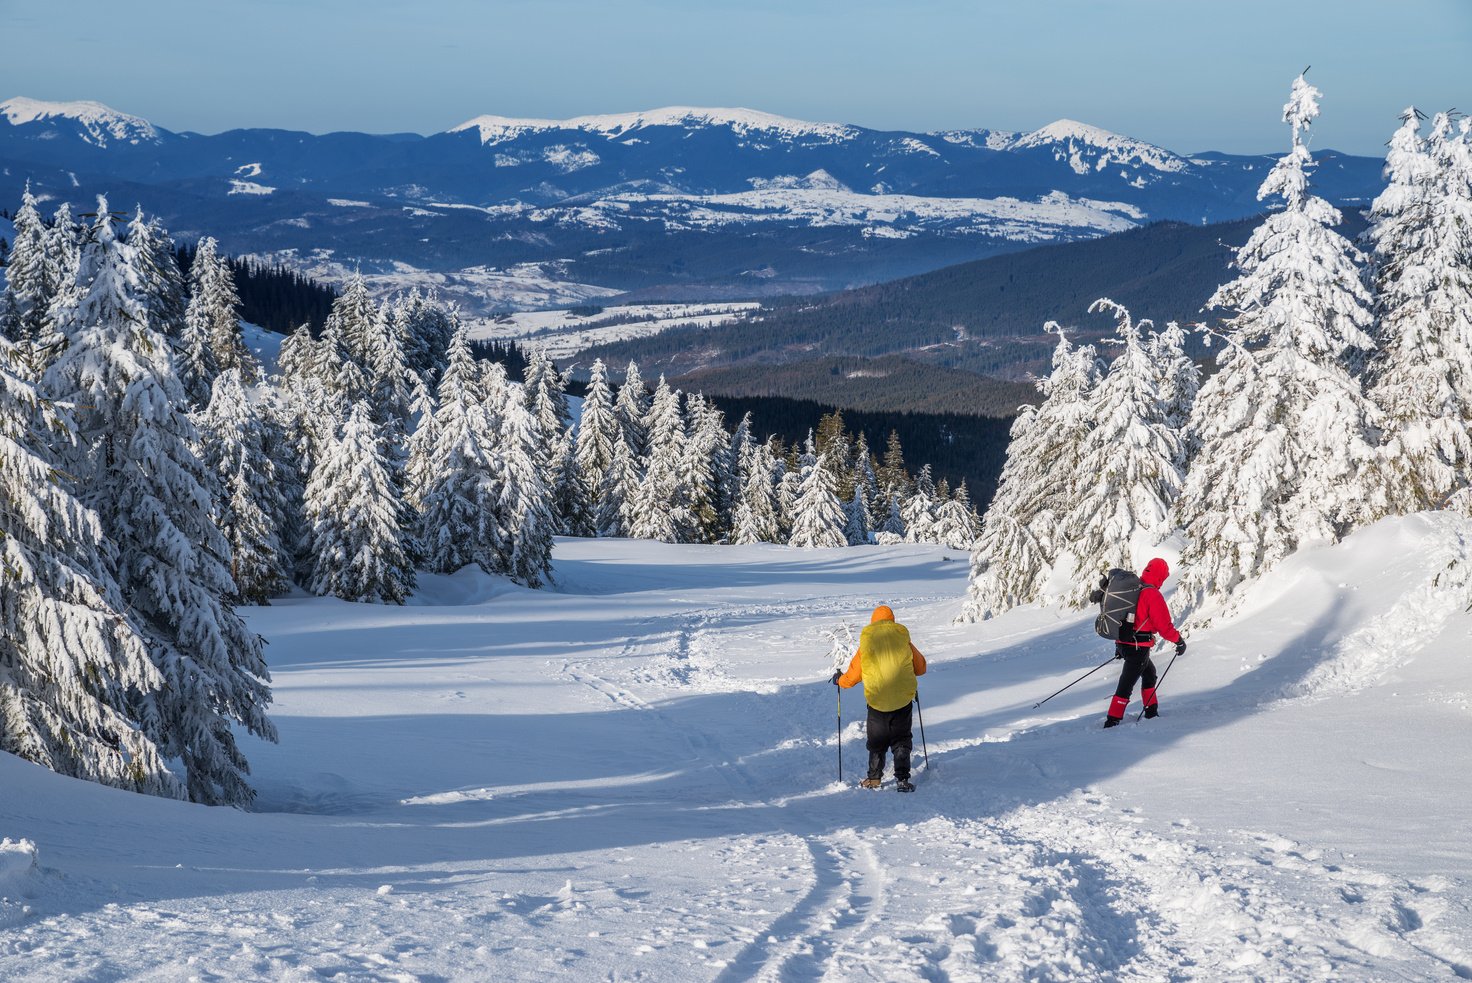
[632, 409]
[212, 287]
[31, 281]
[526, 506]
[195, 359]
[857, 521]
[918, 510]
[544, 392]
[572, 499]
[1283, 427]
[356, 517]
[356, 317]
[754, 519]
[615, 494]
[460, 474]
[71, 665]
[251, 504]
[161, 282]
[1421, 234]
[1177, 377]
[1020, 537]
[818, 520]
[426, 329]
[297, 358]
[597, 431]
[657, 509]
[153, 497]
[738, 454]
[893, 476]
[788, 482]
[703, 469]
[956, 525]
[1128, 477]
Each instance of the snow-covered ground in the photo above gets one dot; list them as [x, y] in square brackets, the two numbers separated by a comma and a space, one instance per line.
[564, 333]
[633, 777]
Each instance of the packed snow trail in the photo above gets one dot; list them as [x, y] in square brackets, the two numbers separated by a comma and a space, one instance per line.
[633, 777]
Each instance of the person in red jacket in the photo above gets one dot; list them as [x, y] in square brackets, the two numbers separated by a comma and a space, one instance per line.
[1136, 639]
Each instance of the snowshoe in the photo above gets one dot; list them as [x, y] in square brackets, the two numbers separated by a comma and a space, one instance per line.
[1111, 722]
[1152, 712]
[869, 783]
[904, 785]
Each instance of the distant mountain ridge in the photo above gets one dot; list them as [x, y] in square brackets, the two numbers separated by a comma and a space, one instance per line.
[679, 202]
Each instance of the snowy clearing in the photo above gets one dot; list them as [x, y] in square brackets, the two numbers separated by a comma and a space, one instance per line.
[633, 777]
[565, 333]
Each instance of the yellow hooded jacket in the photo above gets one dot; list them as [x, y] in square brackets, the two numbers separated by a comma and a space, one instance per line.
[886, 663]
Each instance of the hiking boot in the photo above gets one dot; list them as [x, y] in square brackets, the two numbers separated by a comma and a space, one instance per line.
[1112, 722]
[869, 783]
[1151, 712]
[903, 785]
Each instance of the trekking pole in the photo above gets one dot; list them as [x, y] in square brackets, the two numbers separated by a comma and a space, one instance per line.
[840, 734]
[1159, 681]
[923, 749]
[1075, 682]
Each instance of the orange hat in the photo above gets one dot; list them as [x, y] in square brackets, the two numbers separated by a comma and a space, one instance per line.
[881, 613]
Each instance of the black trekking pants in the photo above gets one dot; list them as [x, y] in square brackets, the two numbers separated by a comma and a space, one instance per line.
[890, 730]
[1138, 667]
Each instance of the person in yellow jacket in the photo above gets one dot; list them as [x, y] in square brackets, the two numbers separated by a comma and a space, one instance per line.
[887, 664]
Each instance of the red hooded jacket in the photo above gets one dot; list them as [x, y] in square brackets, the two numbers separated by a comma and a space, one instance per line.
[1152, 617]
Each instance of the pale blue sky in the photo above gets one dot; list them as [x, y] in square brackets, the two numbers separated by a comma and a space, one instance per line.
[1187, 74]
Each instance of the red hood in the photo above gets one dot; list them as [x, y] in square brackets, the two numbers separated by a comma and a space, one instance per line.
[1155, 573]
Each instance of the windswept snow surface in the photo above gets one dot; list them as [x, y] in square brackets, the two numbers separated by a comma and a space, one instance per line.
[632, 776]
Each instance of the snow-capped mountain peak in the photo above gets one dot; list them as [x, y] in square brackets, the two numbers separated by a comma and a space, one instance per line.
[1092, 148]
[99, 125]
[497, 129]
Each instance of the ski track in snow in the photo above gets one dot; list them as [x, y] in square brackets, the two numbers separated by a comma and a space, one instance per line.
[758, 866]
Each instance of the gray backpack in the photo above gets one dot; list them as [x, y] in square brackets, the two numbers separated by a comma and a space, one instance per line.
[1121, 597]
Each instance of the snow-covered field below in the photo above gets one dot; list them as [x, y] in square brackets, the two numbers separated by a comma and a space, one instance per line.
[564, 333]
[633, 776]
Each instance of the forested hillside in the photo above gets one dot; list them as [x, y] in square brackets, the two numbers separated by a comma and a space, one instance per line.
[984, 317]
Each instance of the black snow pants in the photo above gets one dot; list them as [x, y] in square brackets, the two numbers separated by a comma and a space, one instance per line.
[1138, 667]
[890, 730]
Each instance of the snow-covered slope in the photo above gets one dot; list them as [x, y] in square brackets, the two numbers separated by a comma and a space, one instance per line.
[633, 776]
[1088, 148]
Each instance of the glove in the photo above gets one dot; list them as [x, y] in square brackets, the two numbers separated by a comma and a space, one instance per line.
[1118, 654]
[834, 678]
[1096, 597]
[1181, 647]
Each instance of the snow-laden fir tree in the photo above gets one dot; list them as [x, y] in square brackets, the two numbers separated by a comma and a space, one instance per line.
[1177, 377]
[296, 360]
[527, 505]
[212, 291]
[1421, 235]
[657, 507]
[154, 498]
[918, 511]
[161, 282]
[356, 518]
[1020, 536]
[1128, 481]
[955, 521]
[818, 520]
[788, 486]
[597, 431]
[426, 328]
[703, 470]
[31, 281]
[250, 506]
[1283, 427]
[615, 494]
[72, 666]
[544, 391]
[572, 500]
[461, 473]
[632, 409]
[857, 521]
[754, 519]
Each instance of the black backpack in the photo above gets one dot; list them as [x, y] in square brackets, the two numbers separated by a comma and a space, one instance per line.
[1121, 597]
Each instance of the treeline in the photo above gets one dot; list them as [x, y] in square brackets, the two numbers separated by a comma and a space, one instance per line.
[275, 297]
